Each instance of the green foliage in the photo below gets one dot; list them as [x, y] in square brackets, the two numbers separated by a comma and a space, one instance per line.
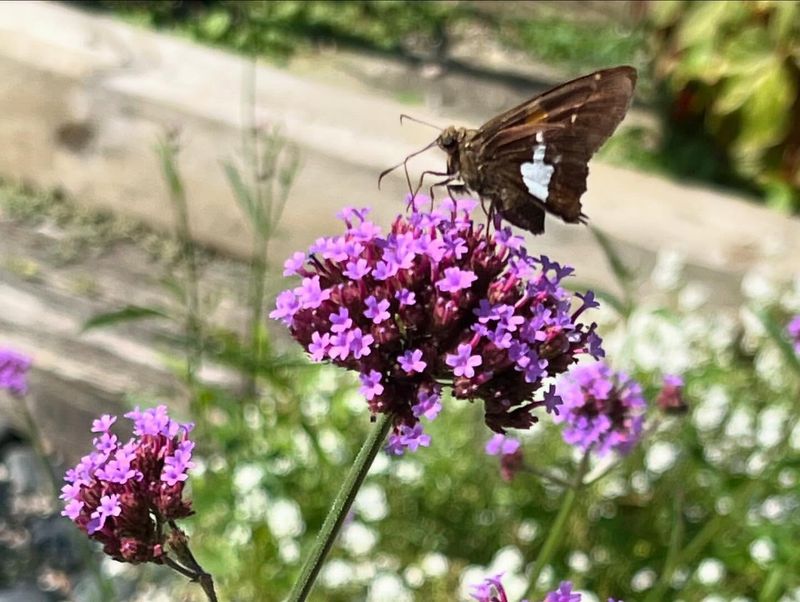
[279, 29]
[732, 70]
[577, 45]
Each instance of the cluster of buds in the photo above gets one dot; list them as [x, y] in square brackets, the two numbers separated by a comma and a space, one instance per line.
[14, 371]
[602, 410]
[124, 495]
[437, 301]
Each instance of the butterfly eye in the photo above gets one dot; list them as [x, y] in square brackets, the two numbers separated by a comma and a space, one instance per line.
[447, 140]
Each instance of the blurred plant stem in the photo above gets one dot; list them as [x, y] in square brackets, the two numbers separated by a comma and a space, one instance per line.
[261, 189]
[168, 151]
[340, 508]
[104, 585]
[557, 531]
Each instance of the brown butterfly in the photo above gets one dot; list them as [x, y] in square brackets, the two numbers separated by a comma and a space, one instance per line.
[534, 158]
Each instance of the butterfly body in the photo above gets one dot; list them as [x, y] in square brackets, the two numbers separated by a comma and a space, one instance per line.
[534, 158]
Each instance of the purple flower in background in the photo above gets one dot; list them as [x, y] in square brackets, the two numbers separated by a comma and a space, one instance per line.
[490, 590]
[602, 409]
[670, 399]
[793, 329]
[437, 300]
[14, 371]
[501, 445]
[510, 452]
[563, 594]
[122, 495]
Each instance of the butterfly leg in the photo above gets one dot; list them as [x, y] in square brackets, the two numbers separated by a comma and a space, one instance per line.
[430, 173]
[445, 183]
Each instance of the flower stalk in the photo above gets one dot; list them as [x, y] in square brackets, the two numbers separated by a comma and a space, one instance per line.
[556, 534]
[341, 506]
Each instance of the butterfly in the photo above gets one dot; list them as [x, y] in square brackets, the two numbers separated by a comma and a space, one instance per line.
[534, 158]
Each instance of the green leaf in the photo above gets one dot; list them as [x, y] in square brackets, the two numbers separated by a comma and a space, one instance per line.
[244, 197]
[784, 23]
[765, 116]
[126, 314]
[216, 25]
[624, 275]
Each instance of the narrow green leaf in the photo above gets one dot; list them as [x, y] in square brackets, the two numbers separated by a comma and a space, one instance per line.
[621, 271]
[243, 195]
[619, 304]
[126, 314]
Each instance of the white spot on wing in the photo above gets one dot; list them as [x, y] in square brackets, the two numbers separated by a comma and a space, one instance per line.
[536, 175]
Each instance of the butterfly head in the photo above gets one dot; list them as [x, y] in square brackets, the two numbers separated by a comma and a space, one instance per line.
[450, 138]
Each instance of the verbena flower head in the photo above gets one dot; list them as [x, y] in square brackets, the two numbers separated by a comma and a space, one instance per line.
[14, 371]
[123, 494]
[601, 409]
[670, 399]
[437, 301]
[793, 329]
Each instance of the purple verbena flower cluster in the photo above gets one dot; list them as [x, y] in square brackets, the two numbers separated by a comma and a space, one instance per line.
[492, 590]
[793, 329]
[14, 371]
[123, 494]
[602, 409]
[437, 301]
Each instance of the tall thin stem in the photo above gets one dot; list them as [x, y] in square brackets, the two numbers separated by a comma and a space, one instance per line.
[340, 508]
[556, 534]
[191, 296]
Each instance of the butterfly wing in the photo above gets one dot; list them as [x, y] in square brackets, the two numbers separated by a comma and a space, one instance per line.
[535, 156]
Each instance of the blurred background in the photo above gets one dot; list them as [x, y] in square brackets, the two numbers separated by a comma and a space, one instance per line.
[160, 161]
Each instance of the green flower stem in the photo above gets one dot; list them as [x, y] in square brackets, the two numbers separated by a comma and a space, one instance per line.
[556, 535]
[340, 508]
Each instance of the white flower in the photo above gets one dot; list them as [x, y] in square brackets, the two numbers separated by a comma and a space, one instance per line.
[388, 586]
[435, 564]
[712, 409]
[762, 550]
[661, 457]
[284, 518]
[358, 539]
[370, 504]
[710, 571]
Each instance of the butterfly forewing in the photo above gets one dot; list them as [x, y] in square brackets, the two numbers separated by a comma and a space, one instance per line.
[534, 157]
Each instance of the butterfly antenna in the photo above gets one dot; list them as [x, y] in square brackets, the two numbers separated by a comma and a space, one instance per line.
[403, 164]
[414, 119]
